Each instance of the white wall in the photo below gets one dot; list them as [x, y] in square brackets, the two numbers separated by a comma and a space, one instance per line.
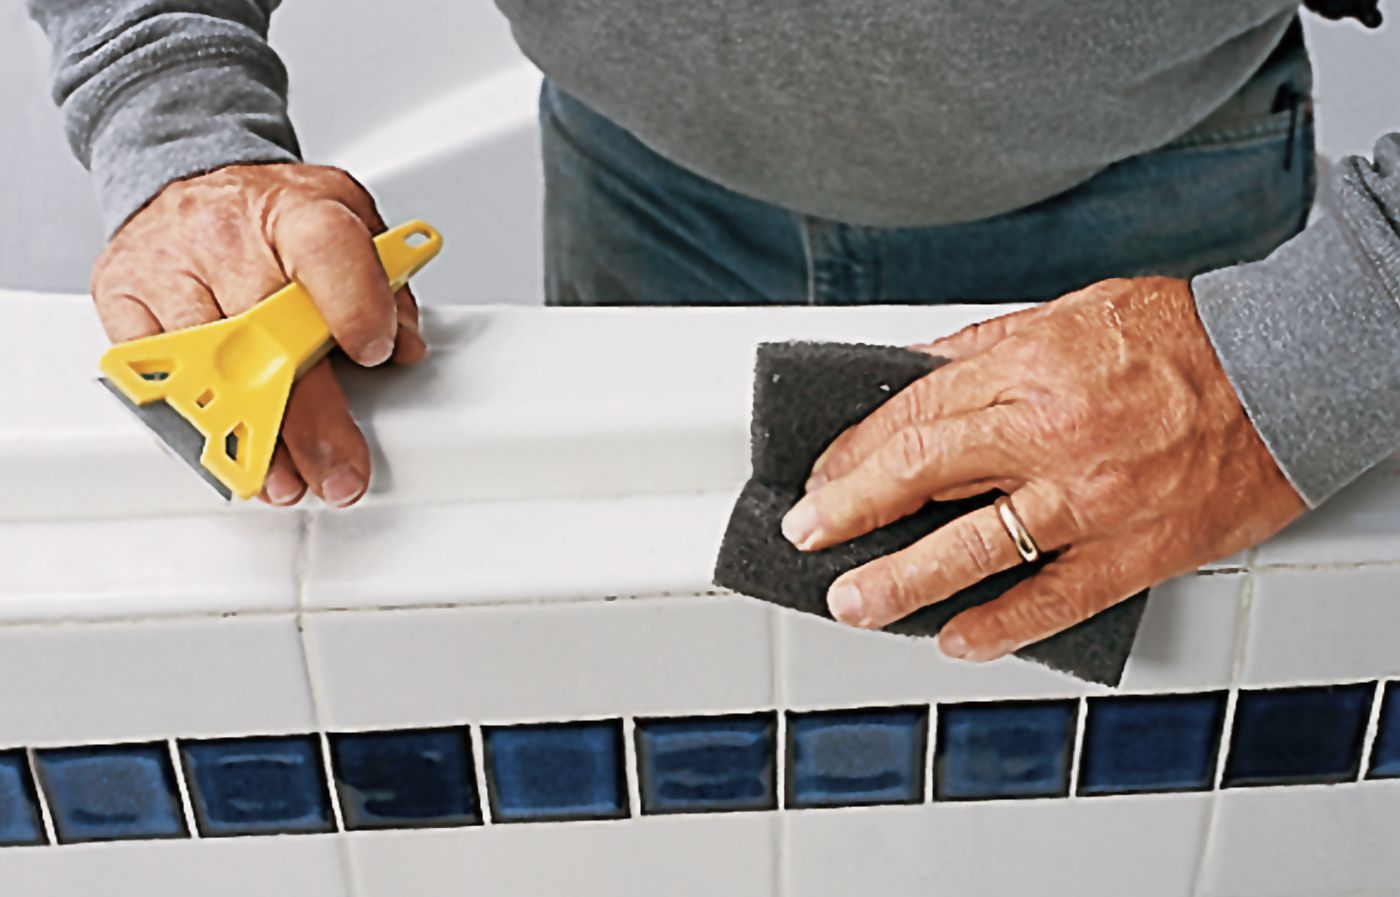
[350, 70]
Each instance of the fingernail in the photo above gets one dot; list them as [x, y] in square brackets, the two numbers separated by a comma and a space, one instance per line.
[817, 480]
[953, 644]
[800, 524]
[283, 488]
[845, 603]
[342, 487]
[378, 352]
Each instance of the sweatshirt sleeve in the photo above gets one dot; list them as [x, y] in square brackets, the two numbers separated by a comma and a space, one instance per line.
[153, 91]
[1310, 336]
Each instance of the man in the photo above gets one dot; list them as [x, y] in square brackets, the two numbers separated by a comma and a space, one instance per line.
[862, 151]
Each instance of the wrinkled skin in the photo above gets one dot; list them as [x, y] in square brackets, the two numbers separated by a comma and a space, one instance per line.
[214, 245]
[1107, 418]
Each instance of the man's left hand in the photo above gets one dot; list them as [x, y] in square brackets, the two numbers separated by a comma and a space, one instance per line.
[1106, 418]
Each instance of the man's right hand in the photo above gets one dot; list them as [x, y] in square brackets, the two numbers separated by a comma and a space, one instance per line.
[214, 245]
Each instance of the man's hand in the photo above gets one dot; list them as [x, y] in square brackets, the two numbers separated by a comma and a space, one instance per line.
[1106, 417]
[215, 245]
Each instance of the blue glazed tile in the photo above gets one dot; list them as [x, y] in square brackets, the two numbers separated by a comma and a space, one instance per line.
[707, 764]
[1156, 743]
[416, 778]
[846, 758]
[1385, 755]
[19, 807]
[1298, 735]
[1004, 749]
[555, 771]
[257, 786]
[111, 793]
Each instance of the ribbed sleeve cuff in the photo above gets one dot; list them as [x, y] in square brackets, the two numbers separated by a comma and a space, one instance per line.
[1310, 338]
[184, 121]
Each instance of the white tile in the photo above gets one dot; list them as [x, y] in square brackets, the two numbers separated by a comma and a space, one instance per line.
[826, 664]
[541, 662]
[1104, 847]
[148, 566]
[1360, 524]
[396, 555]
[95, 682]
[1320, 841]
[677, 856]
[1323, 625]
[300, 866]
[1187, 638]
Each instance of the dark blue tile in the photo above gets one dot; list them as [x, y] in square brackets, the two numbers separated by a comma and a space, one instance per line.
[844, 758]
[1151, 743]
[111, 793]
[1385, 755]
[1298, 735]
[19, 808]
[1004, 749]
[707, 764]
[418, 778]
[257, 786]
[555, 771]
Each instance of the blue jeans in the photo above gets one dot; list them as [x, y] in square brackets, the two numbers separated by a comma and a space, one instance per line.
[624, 226]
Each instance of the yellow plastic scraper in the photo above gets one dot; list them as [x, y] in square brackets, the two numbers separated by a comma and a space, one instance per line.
[215, 394]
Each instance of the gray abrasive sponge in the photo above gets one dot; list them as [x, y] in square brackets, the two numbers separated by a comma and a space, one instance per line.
[805, 395]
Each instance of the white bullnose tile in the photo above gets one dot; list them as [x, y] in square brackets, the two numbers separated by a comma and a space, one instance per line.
[148, 566]
[1361, 524]
[540, 662]
[104, 682]
[448, 554]
[300, 866]
[1323, 625]
[1320, 841]
[677, 856]
[1105, 847]
[1186, 642]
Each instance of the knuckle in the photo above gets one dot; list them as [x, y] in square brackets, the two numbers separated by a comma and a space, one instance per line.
[975, 547]
[908, 453]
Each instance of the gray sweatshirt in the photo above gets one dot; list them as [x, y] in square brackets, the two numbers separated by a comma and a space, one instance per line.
[866, 111]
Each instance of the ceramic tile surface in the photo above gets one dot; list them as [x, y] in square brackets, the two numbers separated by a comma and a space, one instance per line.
[214, 563]
[90, 682]
[1298, 735]
[542, 662]
[1151, 743]
[1187, 638]
[1385, 754]
[1089, 848]
[257, 786]
[556, 771]
[1004, 749]
[407, 779]
[1322, 625]
[111, 793]
[465, 553]
[680, 856]
[19, 808]
[1305, 842]
[847, 758]
[707, 764]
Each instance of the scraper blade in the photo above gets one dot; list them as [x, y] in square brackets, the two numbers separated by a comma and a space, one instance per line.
[177, 435]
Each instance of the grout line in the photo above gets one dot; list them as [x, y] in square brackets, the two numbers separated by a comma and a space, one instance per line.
[930, 752]
[182, 785]
[478, 743]
[1227, 726]
[42, 798]
[1081, 721]
[1373, 725]
[332, 792]
[633, 774]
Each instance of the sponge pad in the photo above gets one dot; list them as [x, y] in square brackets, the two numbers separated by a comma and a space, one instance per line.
[805, 395]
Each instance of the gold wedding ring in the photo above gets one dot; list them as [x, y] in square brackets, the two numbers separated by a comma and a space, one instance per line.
[1020, 536]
